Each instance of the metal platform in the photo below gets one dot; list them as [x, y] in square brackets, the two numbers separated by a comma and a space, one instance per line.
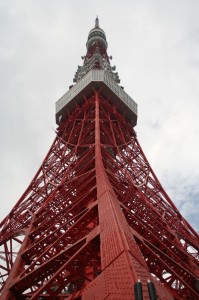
[98, 80]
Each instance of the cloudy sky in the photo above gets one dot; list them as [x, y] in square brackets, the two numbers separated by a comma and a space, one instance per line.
[155, 46]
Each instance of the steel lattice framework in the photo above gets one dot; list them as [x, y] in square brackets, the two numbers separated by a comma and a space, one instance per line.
[95, 223]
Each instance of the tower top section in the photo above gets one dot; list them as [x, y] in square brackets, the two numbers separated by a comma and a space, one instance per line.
[96, 56]
[96, 73]
[97, 36]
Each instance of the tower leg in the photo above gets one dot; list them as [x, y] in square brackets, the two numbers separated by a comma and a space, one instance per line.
[122, 262]
[16, 269]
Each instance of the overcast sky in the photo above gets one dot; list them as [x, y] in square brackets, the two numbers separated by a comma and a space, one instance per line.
[155, 46]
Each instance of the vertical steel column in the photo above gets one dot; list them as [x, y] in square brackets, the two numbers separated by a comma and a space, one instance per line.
[120, 269]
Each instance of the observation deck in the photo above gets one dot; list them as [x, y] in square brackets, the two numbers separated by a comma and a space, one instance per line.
[97, 79]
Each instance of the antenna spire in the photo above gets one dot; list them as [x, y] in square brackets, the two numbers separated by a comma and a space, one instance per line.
[97, 22]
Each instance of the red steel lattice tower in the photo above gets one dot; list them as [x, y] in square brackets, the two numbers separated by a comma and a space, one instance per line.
[95, 223]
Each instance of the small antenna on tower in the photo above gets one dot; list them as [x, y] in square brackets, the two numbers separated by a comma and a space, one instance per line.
[97, 22]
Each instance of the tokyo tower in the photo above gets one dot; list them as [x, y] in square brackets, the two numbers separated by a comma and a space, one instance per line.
[95, 222]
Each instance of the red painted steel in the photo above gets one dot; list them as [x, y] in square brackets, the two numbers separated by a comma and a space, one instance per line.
[95, 220]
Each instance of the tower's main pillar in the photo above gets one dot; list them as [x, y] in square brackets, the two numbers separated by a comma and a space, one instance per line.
[124, 269]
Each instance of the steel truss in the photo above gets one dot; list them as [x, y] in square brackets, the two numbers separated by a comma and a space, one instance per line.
[95, 220]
